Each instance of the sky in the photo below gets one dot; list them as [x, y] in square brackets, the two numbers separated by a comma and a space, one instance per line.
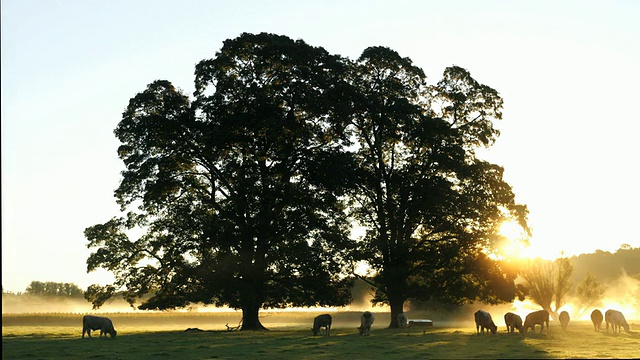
[568, 71]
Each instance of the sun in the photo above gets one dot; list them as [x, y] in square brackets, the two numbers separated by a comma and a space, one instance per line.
[513, 242]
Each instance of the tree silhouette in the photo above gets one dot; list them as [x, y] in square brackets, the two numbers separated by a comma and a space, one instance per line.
[245, 192]
[430, 206]
[233, 188]
[548, 282]
[588, 293]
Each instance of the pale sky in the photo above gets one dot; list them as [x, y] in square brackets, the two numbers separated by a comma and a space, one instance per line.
[568, 72]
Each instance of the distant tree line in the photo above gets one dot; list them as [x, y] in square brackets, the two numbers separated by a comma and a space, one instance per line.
[607, 266]
[50, 289]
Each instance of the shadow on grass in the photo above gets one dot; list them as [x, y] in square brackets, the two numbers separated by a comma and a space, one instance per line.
[344, 343]
[465, 345]
[295, 341]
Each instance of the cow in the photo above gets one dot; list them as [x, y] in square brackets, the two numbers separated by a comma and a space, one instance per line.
[539, 317]
[366, 320]
[513, 321]
[564, 319]
[596, 319]
[322, 321]
[402, 320]
[91, 322]
[616, 319]
[483, 320]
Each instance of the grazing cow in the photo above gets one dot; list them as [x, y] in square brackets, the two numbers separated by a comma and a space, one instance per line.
[483, 320]
[91, 322]
[322, 321]
[616, 319]
[539, 317]
[596, 319]
[564, 319]
[513, 321]
[402, 320]
[366, 320]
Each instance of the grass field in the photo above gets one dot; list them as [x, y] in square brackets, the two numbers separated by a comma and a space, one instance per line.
[162, 336]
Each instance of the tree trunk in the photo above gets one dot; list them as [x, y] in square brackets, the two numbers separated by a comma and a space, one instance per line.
[250, 318]
[396, 304]
[251, 301]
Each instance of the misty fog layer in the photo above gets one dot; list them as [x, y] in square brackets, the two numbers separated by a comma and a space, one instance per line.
[622, 294]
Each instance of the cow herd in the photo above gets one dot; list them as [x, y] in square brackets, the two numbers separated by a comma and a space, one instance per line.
[483, 322]
[611, 317]
[512, 321]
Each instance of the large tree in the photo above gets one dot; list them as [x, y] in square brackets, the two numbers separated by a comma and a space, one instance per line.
[431, 207]
[232, 189]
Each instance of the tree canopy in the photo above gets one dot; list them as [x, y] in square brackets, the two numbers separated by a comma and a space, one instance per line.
[246, 192]
[430, 206]
[228, 186]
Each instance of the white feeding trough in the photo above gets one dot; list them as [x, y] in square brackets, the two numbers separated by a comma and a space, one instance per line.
[420, 323]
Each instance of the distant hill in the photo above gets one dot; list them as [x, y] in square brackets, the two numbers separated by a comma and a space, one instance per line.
[606, 266]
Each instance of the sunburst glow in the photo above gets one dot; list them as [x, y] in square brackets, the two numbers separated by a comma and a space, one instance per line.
[513, 243]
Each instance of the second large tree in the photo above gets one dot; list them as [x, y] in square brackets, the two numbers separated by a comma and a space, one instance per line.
[431, 207]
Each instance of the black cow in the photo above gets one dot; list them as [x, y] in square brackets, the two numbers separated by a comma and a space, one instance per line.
[321, 321]
[92, 322]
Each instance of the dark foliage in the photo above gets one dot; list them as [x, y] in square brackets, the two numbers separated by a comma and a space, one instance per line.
[430, 206]
[245, 193]
[228, 189]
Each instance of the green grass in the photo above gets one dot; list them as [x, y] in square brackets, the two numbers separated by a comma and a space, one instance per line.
[162, 336]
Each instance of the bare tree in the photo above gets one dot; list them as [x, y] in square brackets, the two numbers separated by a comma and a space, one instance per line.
[563, 270]
[588, 293]
[548, 282]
